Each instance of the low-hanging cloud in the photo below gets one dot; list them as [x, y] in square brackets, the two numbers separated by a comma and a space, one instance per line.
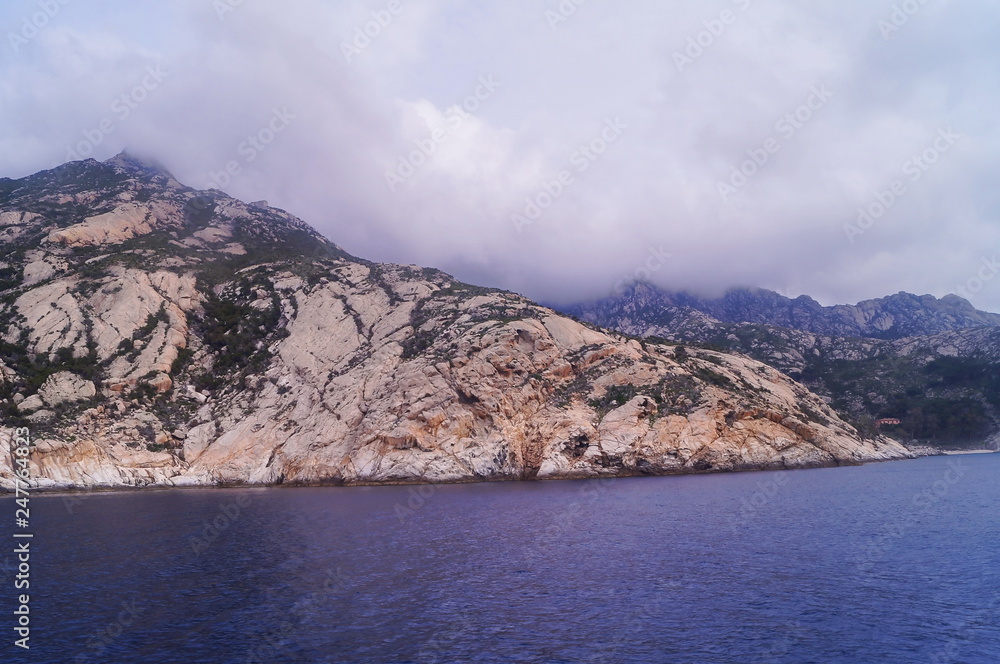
[753, 135]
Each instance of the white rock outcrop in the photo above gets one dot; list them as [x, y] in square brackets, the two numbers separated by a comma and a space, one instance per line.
[66, 387]
[123, 223]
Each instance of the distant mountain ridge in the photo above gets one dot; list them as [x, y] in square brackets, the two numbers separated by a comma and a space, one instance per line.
[932, 363]
[893, 317]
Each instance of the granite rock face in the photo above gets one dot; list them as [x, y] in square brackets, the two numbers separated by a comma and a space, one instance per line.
[173, 337]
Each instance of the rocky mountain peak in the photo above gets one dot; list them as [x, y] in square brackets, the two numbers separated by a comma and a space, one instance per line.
[138, 166]
[893, 317]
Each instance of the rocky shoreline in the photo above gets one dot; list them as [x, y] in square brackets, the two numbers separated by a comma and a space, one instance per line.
[58, 490]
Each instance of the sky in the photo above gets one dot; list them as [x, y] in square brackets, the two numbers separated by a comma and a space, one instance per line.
[843, 149]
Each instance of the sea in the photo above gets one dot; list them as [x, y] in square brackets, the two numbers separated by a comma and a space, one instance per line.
[882, 563]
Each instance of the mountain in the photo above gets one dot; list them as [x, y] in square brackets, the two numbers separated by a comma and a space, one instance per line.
[155, 334]
[933, 364]
[893, 317]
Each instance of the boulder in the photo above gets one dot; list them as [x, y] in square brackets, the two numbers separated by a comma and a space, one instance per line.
[66, 387]
[31, 404]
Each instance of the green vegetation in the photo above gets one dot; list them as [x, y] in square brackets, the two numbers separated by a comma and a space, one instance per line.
[615, 396]
[813, 416]
[418, 342]
[152, 321]
[713, 377]
[948, 401]
[34, 369]
[940, 400]
[10, 277]
[673, 394]
[966, 374]
[467, 290]
[237, 332]
[677, 394]
[184, 356]
[421, 339]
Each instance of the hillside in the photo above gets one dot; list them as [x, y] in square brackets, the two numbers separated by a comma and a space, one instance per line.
[944, 384]
[154, 334]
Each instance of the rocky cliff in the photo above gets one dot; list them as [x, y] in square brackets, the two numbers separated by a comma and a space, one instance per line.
[151, 334]
[944, 384]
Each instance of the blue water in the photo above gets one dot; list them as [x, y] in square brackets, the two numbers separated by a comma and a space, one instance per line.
[892, 562]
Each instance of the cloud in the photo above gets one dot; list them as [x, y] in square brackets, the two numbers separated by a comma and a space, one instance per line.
[484, 106]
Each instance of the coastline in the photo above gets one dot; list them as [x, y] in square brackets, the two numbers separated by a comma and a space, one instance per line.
[965, 452]
[926, 450]
[91, 490]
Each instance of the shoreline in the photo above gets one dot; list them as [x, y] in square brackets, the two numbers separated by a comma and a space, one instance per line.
[923, 450]
[964, 452]
[77, 491]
